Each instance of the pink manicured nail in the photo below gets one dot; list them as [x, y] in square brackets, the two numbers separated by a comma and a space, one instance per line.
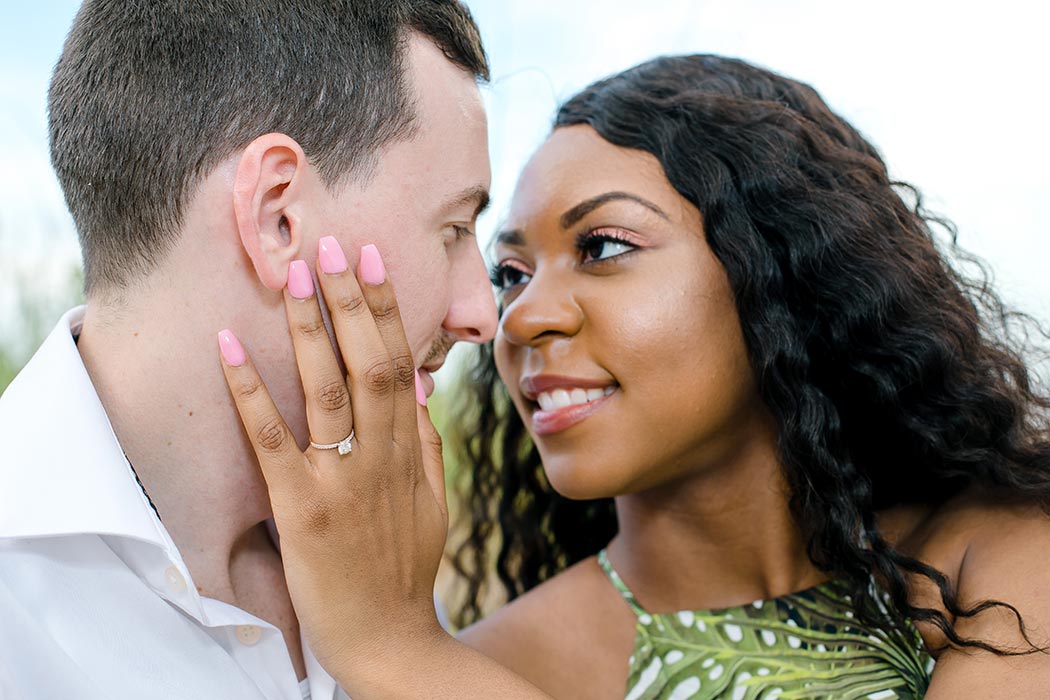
[330, 255]
[231, 348]
[421, 394]
[300, 283]
[371, 267]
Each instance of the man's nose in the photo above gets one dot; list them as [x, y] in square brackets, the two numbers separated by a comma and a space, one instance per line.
[472, 314]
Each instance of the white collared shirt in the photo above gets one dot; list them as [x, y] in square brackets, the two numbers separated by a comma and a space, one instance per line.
[95, 600]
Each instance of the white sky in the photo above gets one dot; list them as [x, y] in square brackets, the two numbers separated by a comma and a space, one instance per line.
[953, 94]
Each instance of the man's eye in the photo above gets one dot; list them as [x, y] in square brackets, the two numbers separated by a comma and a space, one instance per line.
[603, 247]
[456, 233]
[505, 276]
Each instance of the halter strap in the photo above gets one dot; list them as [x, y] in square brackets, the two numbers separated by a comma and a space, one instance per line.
[619, 585]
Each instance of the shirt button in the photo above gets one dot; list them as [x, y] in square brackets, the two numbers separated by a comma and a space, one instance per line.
[176, 582]
[248, 635]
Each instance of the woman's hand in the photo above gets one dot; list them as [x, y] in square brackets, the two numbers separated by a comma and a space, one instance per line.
[362, 533]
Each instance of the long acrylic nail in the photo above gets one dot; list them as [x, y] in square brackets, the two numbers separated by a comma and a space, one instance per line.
[421, 394]
[300, 283]
[231, 348]
[371, 266]
[330, 255]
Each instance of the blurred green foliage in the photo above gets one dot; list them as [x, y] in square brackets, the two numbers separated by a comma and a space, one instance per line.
[442, 407]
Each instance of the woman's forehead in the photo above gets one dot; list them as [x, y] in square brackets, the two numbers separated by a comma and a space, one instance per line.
[575, 164]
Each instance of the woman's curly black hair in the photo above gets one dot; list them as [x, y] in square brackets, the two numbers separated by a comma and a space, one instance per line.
[893, 377]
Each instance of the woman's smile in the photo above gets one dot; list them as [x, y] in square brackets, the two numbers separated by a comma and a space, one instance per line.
[560, 402]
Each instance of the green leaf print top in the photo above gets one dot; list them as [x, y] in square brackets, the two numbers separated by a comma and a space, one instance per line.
[801, 646]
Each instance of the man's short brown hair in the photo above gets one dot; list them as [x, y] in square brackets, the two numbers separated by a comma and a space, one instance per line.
[148, 97]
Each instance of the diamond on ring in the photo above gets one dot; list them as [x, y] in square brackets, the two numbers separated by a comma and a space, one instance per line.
[344, 446]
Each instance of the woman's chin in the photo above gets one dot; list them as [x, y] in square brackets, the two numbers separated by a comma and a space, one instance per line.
[582, 481]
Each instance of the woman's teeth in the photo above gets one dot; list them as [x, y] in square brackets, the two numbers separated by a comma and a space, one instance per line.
[562, 398]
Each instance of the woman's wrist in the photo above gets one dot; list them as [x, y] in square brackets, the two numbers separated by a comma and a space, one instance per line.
[394, 664]
[432, 664]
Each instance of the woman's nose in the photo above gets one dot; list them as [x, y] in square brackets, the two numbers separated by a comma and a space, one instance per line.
[545, 308]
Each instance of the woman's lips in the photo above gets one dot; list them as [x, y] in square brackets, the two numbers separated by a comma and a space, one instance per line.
[559, 419]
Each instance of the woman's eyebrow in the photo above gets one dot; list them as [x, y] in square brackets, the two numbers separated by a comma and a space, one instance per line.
[515, 237]
[512, 237]
[588, 205]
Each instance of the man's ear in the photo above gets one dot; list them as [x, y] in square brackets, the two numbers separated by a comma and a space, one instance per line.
[267, 199]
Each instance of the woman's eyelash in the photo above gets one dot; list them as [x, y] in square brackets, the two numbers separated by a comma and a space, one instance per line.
[498, 274]
[587, 239]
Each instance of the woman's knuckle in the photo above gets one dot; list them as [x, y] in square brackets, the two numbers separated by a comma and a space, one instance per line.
[248, 387]
[312, 329]
[350, 304]
[380, 376]
[272, 435]
[316, 515]
[333, 396]
[404, 368]
[385, 313]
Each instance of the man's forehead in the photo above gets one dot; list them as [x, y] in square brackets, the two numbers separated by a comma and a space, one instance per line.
[443, 165]
[440, 87]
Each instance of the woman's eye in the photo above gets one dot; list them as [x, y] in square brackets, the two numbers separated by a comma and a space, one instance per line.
[506, 276]
[604, 247]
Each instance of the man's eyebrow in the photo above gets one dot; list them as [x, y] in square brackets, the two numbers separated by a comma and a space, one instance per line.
[477, 195]
[588, 205]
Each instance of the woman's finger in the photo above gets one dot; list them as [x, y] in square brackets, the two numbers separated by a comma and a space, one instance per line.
[381, 299]
[328, 411]
[279, 456]
[373, 379]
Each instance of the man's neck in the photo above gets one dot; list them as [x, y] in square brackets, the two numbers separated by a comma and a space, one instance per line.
[159, 378]
[163, 391]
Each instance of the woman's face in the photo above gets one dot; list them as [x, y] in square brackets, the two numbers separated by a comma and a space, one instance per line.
[619, 341]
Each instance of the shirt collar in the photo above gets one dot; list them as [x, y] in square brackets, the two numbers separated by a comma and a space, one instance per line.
[62, 470]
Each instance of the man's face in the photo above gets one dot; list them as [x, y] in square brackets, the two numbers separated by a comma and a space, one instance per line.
[420, 208]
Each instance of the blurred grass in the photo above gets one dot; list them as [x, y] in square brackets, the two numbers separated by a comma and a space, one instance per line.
[37, 304]
[443, 406]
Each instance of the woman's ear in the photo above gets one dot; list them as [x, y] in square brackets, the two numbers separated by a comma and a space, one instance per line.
[268, 188]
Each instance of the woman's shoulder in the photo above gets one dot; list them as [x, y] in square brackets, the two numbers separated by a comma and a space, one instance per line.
[967, 528]
[991, 546]
[999, 540]
[548, 634]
